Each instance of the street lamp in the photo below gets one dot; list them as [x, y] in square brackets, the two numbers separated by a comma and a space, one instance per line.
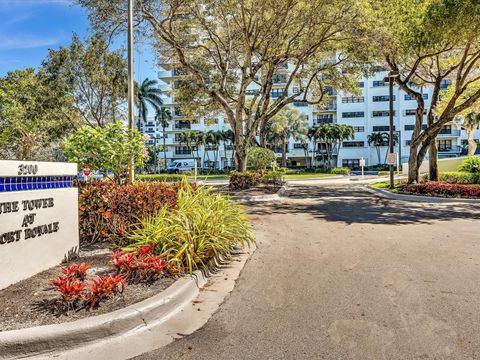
[131, 124]
[392, 75]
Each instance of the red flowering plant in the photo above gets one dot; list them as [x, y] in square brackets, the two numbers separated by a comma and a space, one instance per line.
[71, 290]
[102, 288]
[76, 271]
[140, 266]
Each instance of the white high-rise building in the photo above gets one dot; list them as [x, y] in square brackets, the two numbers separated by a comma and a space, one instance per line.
[367, 113]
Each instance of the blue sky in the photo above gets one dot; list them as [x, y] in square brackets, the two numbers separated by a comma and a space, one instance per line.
[28, 28]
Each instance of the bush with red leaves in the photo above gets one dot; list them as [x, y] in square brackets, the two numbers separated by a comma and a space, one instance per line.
[441, 189]
[141, 266]
[75, 271]
[71, 289]
[102, 288]
[108, 211]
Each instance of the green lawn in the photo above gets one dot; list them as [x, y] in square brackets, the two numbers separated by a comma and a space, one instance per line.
[307, 175]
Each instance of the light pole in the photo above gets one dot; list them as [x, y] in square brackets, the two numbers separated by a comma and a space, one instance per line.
[392, 75]
[131, 123]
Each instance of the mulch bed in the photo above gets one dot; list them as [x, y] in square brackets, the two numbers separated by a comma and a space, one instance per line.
[31, 302]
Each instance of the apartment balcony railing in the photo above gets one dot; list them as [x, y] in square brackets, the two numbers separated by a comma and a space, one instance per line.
[449, 133]
[452, 149]
[320, 121]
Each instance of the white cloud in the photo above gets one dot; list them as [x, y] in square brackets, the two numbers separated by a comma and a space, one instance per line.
[27, 42]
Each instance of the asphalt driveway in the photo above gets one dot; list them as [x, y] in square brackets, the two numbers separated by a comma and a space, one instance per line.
[342, 274]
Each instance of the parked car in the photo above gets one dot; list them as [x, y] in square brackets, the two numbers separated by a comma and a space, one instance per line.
[179, 166]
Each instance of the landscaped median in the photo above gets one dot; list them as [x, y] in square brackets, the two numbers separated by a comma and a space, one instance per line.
[141, 244]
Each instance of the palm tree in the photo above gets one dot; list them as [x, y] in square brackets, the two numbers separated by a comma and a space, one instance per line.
[470, 124]
[228, 137]
[376, 139]
[164, 116]
[346, 132]
[147, 94]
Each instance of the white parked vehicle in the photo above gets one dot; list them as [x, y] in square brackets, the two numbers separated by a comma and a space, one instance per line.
[178, 166]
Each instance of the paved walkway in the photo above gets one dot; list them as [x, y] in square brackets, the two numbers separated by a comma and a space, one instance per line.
[341, 274]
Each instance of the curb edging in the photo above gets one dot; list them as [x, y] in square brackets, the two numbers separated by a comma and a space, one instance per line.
[424, 199]
[55, 338]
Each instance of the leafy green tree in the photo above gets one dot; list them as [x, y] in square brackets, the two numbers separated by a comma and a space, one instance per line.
[288, 122]
[107, 149]
[148, 93]
[225, 48]
[429, 42]
[30, 119]
[345, 132]
[94, 77]
[261, 158]
[164, 116]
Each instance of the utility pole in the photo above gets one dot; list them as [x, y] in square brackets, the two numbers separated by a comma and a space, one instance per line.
[131, 121]
[391, 78]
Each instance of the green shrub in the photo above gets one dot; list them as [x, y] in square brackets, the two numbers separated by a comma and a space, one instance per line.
[108, 148]
[340, 171]
[383, 173]
[457, 177]
[159, 177]
[244, 180]
[108, 211]
[273, 177]
[470, 164]
[204, 227]
[259, 158]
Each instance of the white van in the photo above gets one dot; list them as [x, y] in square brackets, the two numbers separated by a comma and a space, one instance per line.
[178, 166]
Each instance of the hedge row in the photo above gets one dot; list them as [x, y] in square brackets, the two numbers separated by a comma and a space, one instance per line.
[248, 179]
[108, 211]
[457, 177]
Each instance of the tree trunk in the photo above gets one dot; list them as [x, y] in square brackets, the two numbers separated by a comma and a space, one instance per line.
[413, 173]
[164, 149]
[472, 145]
[240, 159]
[284, 152]
[379, 155]
[432, 161]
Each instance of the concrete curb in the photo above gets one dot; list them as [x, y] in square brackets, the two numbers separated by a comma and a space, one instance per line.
[424, 199]
[49, 339]
[268, 197]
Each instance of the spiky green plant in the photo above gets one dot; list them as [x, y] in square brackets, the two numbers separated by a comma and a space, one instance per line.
[203, 228]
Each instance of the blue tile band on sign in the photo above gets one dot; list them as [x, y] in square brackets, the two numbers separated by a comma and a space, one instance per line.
[35, 183]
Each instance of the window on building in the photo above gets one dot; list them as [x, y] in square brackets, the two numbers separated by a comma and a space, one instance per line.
[298, 146]
[408, 97]
[182, 150]
[353, 99]
[277, 93]
[381, 113]
[382, 128]
[444, 145]
[381, 98]
[353, 144]
[279, 78]
[413, 112]
[300, 104]
[411, 127]
[351, 163]
[407, 142]
[378, 83]
[353, 114]
[359, 129]
[361, 84]
[445, 84]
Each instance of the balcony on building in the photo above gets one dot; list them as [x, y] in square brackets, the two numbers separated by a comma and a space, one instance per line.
[325, 119]
[449, 133]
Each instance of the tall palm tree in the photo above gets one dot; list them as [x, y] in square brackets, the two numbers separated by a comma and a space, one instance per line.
[147, 94]
[164, 116]
[470, 124]
[346, 132]
[376, 139]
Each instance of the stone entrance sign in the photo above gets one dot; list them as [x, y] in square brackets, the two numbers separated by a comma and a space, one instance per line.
[38, 217]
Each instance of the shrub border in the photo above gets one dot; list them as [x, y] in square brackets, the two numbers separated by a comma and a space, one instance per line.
[418, 198]
[139, 317]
